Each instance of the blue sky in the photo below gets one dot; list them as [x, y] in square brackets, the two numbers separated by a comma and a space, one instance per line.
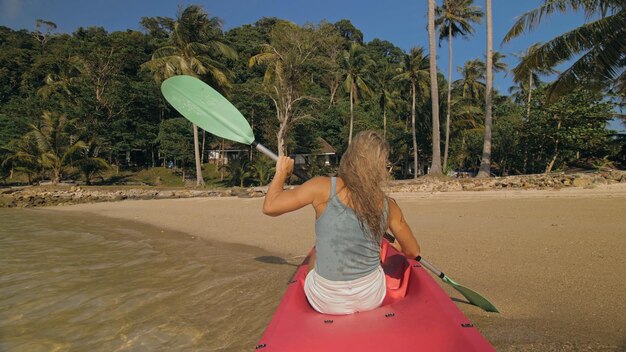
[401, 22]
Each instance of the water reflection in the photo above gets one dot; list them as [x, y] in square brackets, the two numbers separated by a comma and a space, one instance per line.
[82, 283]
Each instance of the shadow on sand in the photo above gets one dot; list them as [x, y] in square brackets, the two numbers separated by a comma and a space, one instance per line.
[270, 259]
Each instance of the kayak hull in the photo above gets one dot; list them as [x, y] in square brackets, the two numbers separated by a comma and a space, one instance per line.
[416, 315]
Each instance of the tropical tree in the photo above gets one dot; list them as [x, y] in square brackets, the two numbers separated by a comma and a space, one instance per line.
[57, 143]
[195, 43]
[497, 62]
[331, 51]
[238, 170]
[597, 48]
[435, 167]
[485, 162]
[530, 79]
[22, 155]
[175, 140]
[387, 93]
[454, 19]
[262, 169]
[89, 164]
[286, 60]
[471, 85]
[356, 65]
[568, 131]
[415, 70]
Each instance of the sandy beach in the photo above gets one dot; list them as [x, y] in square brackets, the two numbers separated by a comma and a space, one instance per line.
[552, 261]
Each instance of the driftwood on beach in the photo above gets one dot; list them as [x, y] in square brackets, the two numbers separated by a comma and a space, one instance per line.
[38, 196]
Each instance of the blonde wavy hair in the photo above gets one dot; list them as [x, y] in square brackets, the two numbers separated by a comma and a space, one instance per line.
[363, 169]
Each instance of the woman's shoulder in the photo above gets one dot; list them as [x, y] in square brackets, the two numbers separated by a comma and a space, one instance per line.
[318, 183]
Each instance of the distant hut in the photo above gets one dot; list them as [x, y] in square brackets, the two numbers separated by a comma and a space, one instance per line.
[325, 152]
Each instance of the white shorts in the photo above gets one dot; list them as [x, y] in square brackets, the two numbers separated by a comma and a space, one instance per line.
[345, 297]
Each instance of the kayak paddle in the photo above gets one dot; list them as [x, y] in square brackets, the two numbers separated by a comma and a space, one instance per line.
[472, 296]
[209, 110]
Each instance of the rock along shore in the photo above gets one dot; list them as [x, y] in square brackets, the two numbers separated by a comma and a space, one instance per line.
[38, 196]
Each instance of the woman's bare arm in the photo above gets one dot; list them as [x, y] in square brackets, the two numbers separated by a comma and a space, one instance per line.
[279, 201]
[402, 231]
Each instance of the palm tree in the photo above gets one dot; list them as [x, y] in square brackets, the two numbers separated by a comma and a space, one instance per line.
[485, 162]
[471, 82]
[239, 171]
[466, 120]
[599, 46]
[415, 69]
[356, 64]
[435, 166]
[22, 155]
[57, 143]
[263, 169]
[454, 19]
[387, 94]
[90, 164]
[531, 77]
[196, 40]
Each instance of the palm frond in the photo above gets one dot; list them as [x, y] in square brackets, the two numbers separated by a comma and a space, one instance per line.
[262, 59]
[603, 43]
[531, 19]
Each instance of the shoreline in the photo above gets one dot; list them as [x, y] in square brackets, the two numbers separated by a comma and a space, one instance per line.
[551, 260]
[69, 194]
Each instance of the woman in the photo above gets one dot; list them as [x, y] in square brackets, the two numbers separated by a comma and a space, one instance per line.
[352, 213]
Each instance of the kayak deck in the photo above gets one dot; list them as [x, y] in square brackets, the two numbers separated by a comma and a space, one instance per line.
[416, 315]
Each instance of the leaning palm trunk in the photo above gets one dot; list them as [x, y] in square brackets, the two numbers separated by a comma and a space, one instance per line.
[384, 123]
[415, 160]
[485, 163]
[555, 152]
[530, 94]
[196, 145]
[351, 113]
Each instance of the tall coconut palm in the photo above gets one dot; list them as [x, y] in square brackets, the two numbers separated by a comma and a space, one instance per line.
[599, 45]
[435, 166]
[415, 69]
[195, 43]
[454, 19]
[356, 64]
[485, 161]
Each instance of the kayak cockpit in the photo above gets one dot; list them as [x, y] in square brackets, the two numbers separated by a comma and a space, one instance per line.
[397, 274]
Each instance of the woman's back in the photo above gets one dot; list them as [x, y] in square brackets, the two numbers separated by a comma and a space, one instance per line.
[346, 250]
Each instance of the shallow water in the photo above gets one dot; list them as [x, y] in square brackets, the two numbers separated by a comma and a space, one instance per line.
[83, 283]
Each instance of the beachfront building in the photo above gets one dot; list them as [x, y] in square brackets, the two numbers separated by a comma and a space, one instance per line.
[325, 155]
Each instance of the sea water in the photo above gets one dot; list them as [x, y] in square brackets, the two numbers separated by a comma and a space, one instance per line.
[85, 283]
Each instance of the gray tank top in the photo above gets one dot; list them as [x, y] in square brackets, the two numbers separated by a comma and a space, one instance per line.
[344, 250]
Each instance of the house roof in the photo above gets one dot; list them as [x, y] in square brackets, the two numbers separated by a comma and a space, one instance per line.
[325, 147]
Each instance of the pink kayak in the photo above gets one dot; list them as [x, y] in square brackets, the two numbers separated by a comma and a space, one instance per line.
[416, 315]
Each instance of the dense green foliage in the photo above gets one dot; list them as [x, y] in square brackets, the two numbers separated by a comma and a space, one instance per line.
[104, 87]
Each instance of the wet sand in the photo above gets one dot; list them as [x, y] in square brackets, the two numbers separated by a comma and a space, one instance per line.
[553, 262]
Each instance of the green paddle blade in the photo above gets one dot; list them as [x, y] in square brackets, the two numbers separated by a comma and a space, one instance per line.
[472, 296]
[207, 108]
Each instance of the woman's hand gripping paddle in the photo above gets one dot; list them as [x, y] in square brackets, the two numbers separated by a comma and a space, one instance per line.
[209, 110]
[472, 296]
